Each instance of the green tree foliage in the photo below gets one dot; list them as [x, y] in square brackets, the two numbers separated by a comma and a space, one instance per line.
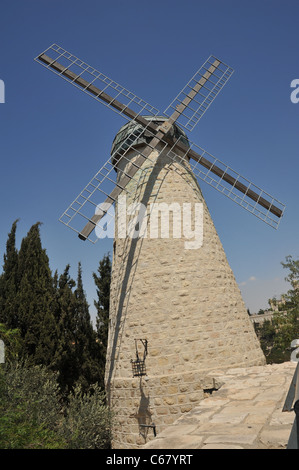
[102, 280]
[8, 281]
[85, 338]
[45, 321]
[32, 415]
[26, 295]
[86, 349]
[65, 358]
[292, 296]
[29, 408]
[51, 312]
[276, 335]
[35, 296]
[87, 424]
[77, 356]
[12, 341]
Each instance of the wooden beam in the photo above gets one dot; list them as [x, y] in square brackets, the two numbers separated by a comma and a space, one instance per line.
[159, 134]
[230, 179]
[193, 92]
[125, 179]
[97, 92]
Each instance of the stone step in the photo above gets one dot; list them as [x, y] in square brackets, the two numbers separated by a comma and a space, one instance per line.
[245, 413]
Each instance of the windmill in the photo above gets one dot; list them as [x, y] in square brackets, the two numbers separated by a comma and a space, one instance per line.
[185, 305]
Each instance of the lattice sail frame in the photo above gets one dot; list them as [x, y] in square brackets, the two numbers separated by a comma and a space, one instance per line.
[230, 190]
[83, 74]
[189, 106]
[101, 185]
[190, 117]
[87, 79]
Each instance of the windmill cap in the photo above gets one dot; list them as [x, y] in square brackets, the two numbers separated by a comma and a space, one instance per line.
[135, 132]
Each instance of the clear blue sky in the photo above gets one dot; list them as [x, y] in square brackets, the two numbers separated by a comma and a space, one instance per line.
[54, 138]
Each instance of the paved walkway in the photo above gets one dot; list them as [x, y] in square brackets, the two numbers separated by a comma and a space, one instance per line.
[245, 413]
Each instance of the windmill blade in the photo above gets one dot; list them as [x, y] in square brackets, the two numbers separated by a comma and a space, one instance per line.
[188, 107]
[97, 198]
[93, 203]
[199, 93]
[230, 183]
[95, 84]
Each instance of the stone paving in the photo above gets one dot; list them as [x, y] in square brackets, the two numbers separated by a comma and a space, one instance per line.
[245, 413]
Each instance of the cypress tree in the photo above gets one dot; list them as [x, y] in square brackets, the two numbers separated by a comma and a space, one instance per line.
[52, 313]
[77, 353]
[34, 298]
[102, 280]
[65, 361]
[8, 281]
[87, 350]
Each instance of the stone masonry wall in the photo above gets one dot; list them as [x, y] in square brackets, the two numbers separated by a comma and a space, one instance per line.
[185, 302]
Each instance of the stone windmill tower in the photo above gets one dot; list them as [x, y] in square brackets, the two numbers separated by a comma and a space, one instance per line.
[176, 310]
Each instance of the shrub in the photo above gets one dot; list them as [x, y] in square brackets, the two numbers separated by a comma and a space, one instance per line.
[29, 408]
[88, 420]
[32, 414]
